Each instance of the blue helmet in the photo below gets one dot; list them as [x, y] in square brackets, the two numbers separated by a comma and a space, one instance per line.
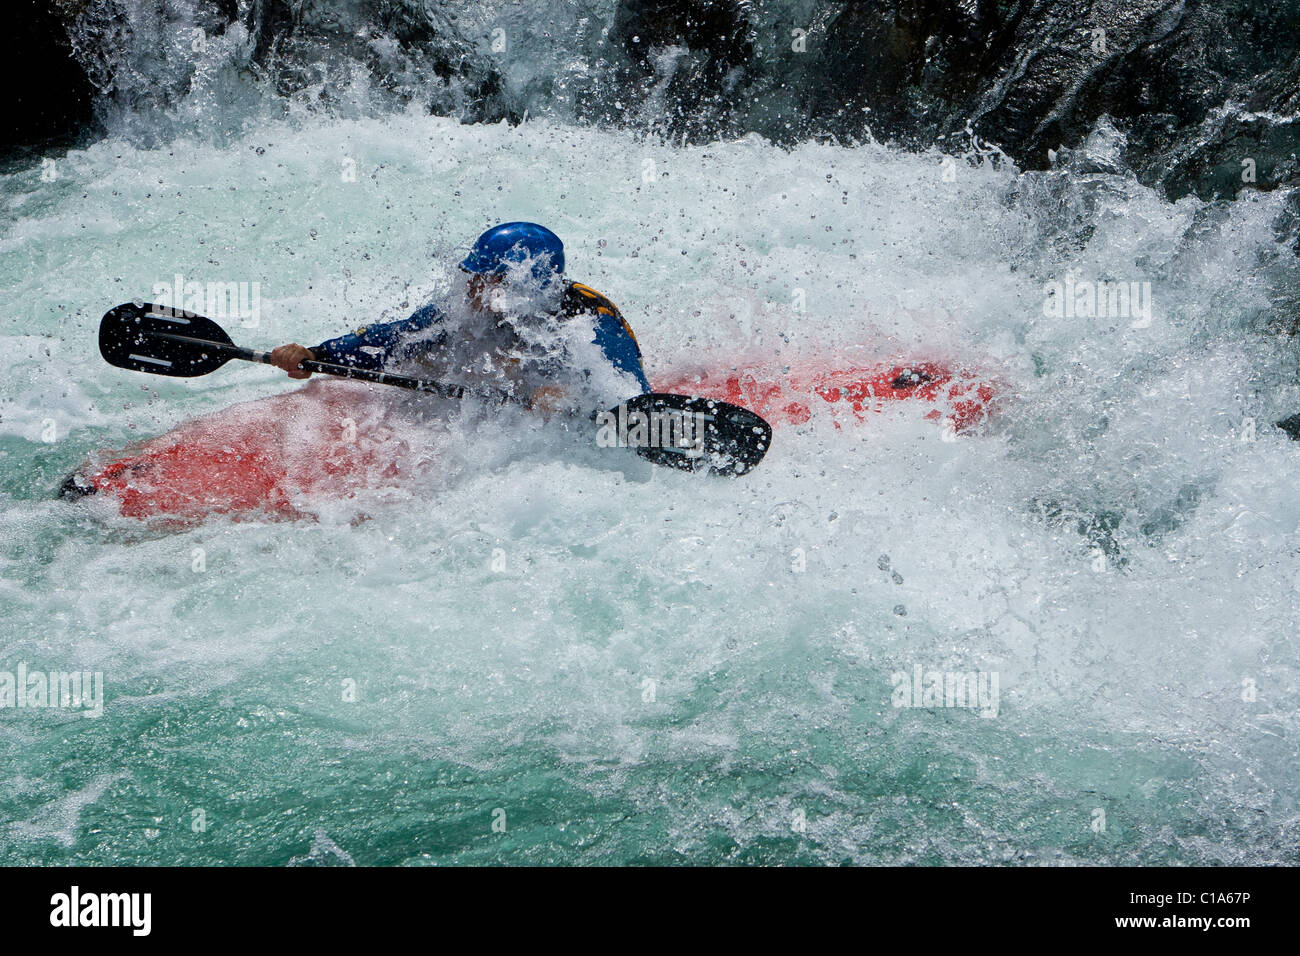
[514, 242]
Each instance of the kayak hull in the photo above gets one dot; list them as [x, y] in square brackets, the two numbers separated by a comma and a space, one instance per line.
[277, 457]
[957, 397]
[262, 458]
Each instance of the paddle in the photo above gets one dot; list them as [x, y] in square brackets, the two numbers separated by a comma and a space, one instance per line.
[681, 431]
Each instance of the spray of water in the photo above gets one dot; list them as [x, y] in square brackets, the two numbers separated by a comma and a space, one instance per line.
[634, 664]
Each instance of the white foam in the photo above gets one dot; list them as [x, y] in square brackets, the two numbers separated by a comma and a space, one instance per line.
[1112, 547]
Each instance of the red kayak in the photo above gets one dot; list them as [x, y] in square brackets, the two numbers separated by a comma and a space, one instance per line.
[274, 457]
[263, 458]
[789, 396]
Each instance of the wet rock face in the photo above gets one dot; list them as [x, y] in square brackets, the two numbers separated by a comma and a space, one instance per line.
[145, 59]
[412, 51]
[1197, 86]
[897, 69]
[683, 58]
[1205, 92]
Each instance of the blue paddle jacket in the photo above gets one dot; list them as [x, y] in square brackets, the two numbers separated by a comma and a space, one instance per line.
[376, 347]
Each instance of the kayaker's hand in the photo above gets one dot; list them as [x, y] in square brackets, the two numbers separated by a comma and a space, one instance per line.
[546, 399]
[288, 357]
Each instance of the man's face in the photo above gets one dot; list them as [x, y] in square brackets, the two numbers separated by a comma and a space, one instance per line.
[481, 289]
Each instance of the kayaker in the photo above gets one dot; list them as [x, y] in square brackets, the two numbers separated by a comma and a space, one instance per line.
[524, 326]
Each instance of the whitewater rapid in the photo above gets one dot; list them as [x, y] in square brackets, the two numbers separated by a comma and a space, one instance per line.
[641, 666]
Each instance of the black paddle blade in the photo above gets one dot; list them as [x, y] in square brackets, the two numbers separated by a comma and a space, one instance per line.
[693, 434]
[129, 337]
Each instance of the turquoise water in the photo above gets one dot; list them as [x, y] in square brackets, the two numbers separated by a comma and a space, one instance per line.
[533, 660]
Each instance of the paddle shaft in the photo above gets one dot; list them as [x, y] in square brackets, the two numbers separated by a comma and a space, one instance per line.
[329, 368]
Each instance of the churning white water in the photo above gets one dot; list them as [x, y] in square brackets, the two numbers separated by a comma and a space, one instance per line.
[618, 664]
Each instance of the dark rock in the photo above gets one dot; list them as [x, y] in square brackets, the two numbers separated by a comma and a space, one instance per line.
[683, 58]
[1204, 93]
[49, 99]
[1291, 426]
[1196, 86]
